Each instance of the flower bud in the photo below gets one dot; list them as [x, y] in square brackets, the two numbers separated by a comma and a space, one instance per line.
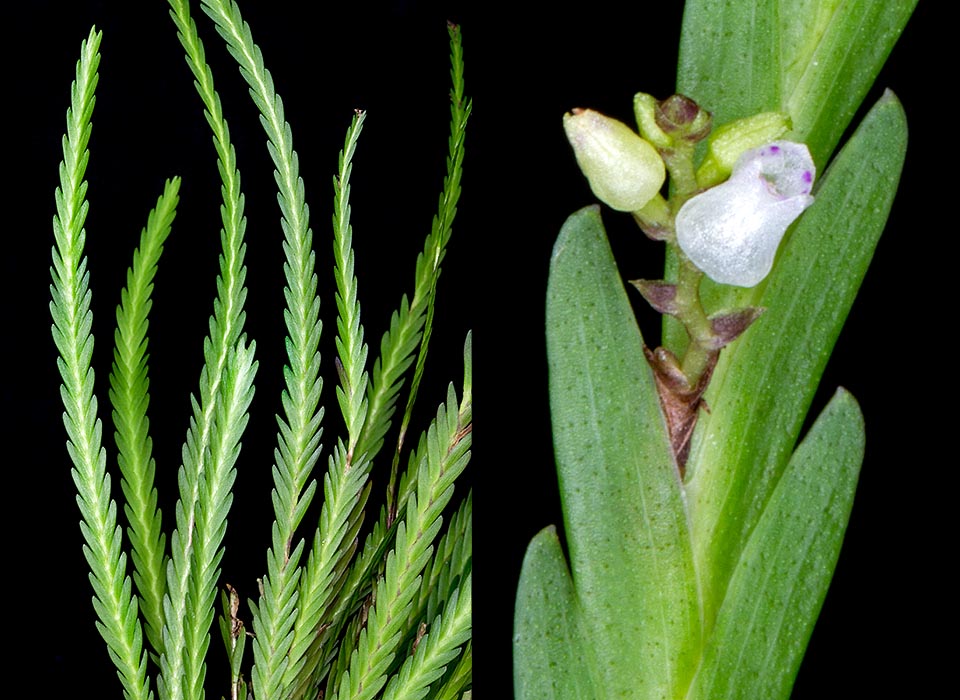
[675, 119]
[732, 140]
[733, 230]
[624, 171]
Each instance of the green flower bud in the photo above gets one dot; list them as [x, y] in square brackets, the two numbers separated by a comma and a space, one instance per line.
[671, 122]
[645, 111]
[624, 171]
[732, 140]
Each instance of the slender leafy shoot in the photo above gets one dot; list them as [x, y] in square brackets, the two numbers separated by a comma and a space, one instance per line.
[327, 619]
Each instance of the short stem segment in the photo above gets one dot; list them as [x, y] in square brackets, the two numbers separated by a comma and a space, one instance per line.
[679, 162]
[699, 354]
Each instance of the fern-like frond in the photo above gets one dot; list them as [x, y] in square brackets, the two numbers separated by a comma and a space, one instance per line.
[446, 455]
[346, 475]
[299, 437]
[224, 339]
[236, 393]
[113, 600]
[129, 394]
[359, 582]
[351, 349]
[411, 478]
[353, 597]
[459, 679]
[450, 565]
[396, 355]
[436, 649]
[349, 637]
[406, 324]
[377, 647]
[428, 266]
[346, 489]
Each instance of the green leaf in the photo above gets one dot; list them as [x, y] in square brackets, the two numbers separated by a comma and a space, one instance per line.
[812, 59]
[729, 57]
[781, 580]
[624, 514]
[764, 382]
[551, 660]
[129, 394]
[831, 53]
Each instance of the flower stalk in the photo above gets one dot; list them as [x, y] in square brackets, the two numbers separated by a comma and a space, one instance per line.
[724, 220]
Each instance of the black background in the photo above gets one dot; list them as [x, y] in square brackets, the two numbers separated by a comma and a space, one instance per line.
[880, 624]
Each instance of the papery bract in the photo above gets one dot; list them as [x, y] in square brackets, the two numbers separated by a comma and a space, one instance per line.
[624, 171]
[733, 230]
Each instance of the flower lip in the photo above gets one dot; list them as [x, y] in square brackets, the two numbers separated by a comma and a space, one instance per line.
[733, 230]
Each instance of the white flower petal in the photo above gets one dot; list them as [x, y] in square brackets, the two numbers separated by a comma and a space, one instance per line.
[733, 230]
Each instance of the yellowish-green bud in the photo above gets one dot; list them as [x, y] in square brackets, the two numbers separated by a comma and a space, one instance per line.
[624, 171]
[732, 140]
[645, 110]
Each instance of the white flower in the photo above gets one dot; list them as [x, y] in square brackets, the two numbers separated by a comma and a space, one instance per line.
[733, 230]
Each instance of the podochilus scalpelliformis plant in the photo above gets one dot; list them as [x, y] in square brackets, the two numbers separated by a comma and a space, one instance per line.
[349, 606]
[702, 526]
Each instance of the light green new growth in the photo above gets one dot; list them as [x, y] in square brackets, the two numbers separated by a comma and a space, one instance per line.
[436, 245]
[299, 438]
[72, 322]
[310, 623]
[344, 493]
[129, 394]
[398, 343]
[351, 350]
[435, 649]
[217, 422]
[447, 453]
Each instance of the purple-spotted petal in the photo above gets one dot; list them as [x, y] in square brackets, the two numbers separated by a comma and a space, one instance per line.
[733, 230]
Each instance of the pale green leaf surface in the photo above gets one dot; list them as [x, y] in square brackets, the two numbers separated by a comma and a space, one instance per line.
[624, 515]
[550, 658]
[729, 57]
[782, 577]
[764, 383]
[813, 59]
[829, 64]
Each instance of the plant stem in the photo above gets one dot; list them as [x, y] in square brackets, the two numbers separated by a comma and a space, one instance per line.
[690, 312]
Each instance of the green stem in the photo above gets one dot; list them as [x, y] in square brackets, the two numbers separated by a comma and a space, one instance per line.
[683, 177]
[690, 312]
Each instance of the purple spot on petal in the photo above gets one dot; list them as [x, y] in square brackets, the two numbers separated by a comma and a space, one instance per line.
[807, 176]
[774, 149]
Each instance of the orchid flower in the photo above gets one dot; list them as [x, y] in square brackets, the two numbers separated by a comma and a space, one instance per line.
[732, 231]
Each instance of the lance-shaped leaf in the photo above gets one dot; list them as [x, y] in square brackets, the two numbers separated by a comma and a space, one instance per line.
[813, 60]
[762, 386]
[551, 659]
[782, 577]
[625, 520]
